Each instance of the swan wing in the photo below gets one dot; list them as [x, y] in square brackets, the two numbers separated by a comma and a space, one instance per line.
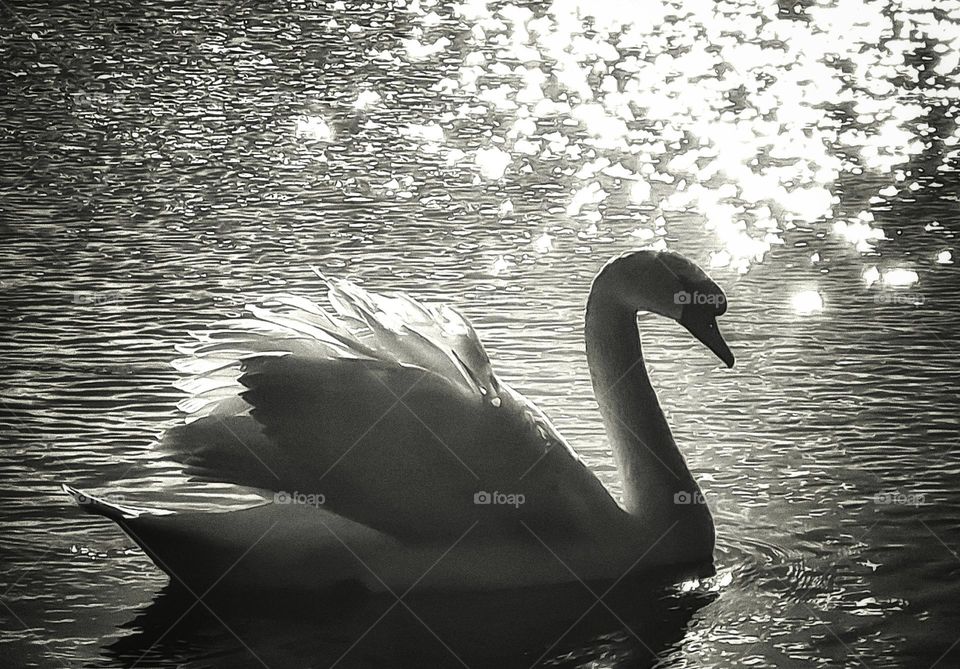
[383, 410]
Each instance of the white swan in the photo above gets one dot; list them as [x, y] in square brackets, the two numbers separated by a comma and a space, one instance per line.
[397, 458]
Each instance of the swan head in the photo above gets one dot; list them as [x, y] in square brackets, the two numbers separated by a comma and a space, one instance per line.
[668, 284]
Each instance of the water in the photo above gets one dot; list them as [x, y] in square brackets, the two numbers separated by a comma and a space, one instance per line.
[164, 163]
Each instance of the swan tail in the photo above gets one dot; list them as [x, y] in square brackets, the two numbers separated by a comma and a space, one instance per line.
[113, 510]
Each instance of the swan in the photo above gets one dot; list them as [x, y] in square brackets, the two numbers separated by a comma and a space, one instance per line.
[396, 458]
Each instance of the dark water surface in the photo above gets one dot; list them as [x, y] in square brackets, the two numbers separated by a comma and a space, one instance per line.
[164, 163]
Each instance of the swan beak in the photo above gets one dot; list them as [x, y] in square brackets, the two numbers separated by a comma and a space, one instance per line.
[704, 328]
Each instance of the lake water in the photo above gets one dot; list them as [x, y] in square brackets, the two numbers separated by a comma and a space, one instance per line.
[164, 163]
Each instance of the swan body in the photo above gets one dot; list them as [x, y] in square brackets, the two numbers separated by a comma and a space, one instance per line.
[396, 458]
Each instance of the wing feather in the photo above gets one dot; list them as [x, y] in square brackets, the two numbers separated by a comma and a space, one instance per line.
[388, 408]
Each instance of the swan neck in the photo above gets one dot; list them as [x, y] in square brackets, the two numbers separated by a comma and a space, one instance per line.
[651, 467]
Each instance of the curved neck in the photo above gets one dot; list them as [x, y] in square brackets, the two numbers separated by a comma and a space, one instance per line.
[651, 467]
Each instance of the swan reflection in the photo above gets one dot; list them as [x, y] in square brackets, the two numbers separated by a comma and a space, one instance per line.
[633, 626]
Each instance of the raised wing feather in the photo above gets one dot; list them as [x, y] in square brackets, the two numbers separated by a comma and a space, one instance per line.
[385, 410]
